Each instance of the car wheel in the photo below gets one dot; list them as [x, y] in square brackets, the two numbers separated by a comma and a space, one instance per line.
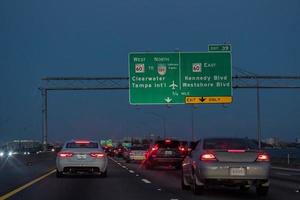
[197, 189]
[59, 174]
[178, 166]
[183, 185]
[103, 174]
[245, 188]
[148, 165]
[262, 190]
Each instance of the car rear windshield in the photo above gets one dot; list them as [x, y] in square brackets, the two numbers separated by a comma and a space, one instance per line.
[82, 145]
[225, 144]
[169, 144]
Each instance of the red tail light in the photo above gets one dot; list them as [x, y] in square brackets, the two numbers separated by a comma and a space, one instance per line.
[181, 148]
[65, 154]
[263, 157]
[155, 148]
[236, 151]
[82, 142]
[167, 141]
[97, 155]
[208, 157]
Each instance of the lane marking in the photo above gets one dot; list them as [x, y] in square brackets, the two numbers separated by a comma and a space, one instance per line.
[6, 196]
[283, 174]
[137, 175]
[131, 171]
[146, 181]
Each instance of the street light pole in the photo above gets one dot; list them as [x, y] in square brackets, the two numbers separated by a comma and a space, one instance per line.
[258, 115]
[45, 118]
[192, 122]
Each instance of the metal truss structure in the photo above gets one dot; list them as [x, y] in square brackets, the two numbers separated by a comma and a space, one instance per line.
[242, 80]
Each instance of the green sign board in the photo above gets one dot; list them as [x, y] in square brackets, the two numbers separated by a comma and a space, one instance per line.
[178, 78]
[219, 47]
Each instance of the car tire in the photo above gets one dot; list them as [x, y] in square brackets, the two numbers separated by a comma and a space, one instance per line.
[262, 190]
[244, 188]
[59, 174]
[103, 174]
[197, 189]
[178, 166]
[148, 165]
[183, 185]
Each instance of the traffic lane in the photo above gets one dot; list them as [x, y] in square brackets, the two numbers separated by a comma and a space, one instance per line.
[16, 171]
[169, 179]
[120, 184]
[280, 174]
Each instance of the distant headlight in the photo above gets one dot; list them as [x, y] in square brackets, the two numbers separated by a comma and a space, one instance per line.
[1, 154]
[10, 153]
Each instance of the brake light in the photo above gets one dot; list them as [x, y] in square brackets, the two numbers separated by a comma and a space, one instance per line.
[155, 148]
[65, 154]
[82, 142]
[208, 157]
[97, 155]
[236, 151]
[181, 148]
[167, 141]
[263, 157]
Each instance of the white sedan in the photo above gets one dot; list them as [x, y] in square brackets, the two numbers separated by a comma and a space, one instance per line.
[81, 157]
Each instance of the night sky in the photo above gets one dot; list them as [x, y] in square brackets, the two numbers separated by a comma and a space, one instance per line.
[93, 38]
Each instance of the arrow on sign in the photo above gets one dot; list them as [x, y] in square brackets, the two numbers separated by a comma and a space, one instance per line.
[202, 99]
[168, 99]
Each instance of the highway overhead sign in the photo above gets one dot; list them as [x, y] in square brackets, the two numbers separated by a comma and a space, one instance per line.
[219, 47]
[178, 78]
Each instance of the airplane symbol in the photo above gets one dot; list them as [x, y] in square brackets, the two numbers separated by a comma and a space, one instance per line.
[173, 85]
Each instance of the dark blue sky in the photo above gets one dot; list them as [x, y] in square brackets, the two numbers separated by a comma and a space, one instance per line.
[93, 38]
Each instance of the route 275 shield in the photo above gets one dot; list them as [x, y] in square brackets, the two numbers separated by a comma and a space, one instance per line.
[162, 70]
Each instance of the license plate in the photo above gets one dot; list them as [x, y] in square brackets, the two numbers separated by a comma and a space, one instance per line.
[81, 156]
[237, 171]
[168, 152]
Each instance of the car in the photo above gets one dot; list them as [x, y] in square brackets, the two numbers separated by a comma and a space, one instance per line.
[136, 153]
[4, 154]
[81, 157]
[119, 151]
[228, 162]
[165, 153]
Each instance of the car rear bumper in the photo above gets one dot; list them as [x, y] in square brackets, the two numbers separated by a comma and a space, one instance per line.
[223, 171]
[166, 161]
[137, 158]
[94, 166]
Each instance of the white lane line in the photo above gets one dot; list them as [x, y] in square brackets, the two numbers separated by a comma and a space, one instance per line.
[146, 181]
[137, 175]
[131, 171]
[158, 189]
[283, 174]
[174, 199]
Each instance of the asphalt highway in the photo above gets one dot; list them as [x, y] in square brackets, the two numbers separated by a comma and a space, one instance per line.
[130, 181]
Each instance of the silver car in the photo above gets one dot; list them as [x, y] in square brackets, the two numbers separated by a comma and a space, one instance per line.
[226, 161]
[136, 153]
[81, 157]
